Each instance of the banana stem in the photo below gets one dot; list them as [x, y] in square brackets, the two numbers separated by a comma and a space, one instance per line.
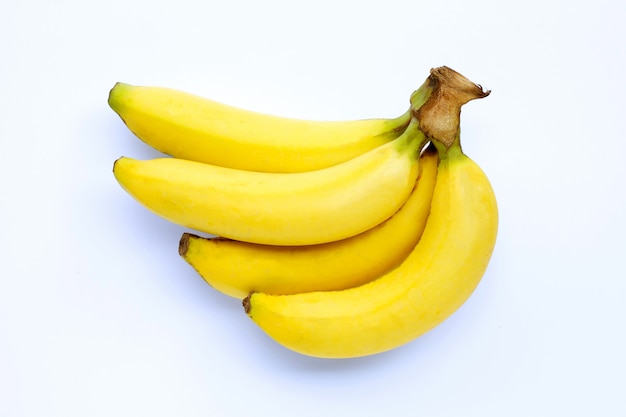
[439, 117]
[421, 95]
[417, 100]
[413, 137]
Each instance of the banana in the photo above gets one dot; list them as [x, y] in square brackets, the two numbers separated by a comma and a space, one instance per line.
[434, 280]
[198, 129]
[303, 208]
[237, 268]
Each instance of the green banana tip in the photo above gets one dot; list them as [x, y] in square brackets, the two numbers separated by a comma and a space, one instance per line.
[115, 92]
[120, 85]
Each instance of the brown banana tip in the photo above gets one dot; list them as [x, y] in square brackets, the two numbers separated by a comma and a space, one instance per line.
[246, 303]
[183, 244]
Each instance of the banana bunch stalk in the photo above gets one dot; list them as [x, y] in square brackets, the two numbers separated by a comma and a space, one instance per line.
[343, 238]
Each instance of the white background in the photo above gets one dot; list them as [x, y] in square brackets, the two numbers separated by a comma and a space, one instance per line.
[100, 317]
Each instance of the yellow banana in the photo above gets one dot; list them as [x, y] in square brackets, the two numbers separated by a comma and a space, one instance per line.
[432, 282]
[194, 128]
[279, 209]
[237, 268]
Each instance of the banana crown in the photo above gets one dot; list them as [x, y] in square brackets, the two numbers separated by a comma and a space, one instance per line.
[439, 117]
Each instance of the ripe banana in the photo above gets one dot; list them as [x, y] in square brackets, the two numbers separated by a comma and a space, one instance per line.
[432, 282]
[237, 268]
[194, 128]
[303, 208]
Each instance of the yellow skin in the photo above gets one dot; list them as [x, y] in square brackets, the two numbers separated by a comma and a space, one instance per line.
[432, 283]
[303, 208]
[237, 268]
[194, 128]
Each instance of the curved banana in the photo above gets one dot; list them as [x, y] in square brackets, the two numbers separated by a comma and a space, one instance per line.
[434, 280]
[303, 208]
[237, 268]
[194, 128]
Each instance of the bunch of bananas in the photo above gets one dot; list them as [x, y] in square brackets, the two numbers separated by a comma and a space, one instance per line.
[344, 238]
